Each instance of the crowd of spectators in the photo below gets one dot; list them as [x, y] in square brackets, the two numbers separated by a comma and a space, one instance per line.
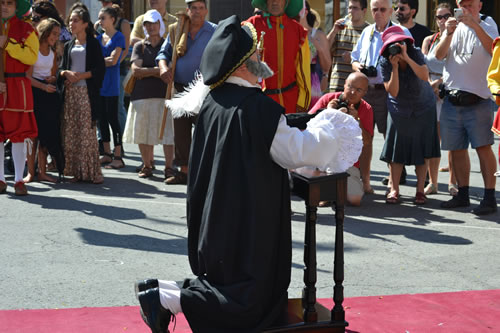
[423, 91]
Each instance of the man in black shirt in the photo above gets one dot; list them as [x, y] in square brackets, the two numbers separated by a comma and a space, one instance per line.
[406, 11]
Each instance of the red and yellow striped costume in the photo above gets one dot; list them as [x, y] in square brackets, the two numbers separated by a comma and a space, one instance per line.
[286, 51]
[17, 120]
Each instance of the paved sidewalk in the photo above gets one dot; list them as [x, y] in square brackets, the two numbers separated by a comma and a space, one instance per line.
[83, 245]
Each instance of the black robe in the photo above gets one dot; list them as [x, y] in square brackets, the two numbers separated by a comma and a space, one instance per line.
[238, 212]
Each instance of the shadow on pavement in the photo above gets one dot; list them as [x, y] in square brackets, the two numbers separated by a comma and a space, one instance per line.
[356, 224]
[134, 242]
[111, 213]
[123, 188]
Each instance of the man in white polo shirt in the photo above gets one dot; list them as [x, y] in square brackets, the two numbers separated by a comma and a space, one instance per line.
[467, 113]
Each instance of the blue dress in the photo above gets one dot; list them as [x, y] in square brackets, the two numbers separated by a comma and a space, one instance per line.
[411, 135]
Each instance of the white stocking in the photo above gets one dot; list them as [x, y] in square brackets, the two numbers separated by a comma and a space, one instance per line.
[19, 157]
[2, 160]
[170, 296]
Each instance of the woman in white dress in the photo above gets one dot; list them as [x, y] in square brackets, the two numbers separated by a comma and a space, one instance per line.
[148, 98]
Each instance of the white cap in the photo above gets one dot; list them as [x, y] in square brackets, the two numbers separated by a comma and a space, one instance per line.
[189, 1]
[153, 16]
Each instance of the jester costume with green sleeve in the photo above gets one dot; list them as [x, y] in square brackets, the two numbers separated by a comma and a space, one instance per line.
[286, 51]
[17, 120]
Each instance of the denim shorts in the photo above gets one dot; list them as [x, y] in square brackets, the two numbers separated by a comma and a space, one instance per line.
[460, 125]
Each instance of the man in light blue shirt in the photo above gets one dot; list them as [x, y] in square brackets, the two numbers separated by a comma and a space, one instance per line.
[200, 32]
[365, 58]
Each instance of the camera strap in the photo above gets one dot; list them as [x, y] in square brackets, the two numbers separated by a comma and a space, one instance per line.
[372, 35]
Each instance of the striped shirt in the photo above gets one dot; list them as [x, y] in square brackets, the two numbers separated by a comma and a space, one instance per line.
[345, 40]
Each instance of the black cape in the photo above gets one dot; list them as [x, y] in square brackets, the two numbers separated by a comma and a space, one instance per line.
[238, 212]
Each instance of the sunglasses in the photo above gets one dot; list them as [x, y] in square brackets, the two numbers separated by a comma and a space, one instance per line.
[445, 16]
[382, 10]
[36, 18]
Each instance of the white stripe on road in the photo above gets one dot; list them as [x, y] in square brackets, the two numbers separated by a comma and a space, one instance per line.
[122, 199]
[461, 226]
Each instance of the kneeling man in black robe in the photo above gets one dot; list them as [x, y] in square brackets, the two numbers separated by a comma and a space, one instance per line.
[238, 195]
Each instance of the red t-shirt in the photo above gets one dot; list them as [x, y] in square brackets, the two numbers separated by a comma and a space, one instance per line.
[365, 112]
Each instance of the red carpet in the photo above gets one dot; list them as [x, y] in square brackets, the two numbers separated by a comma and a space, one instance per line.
[467, 311]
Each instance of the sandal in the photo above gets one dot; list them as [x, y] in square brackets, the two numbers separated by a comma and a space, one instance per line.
[114, 166]
[169, 172]
[444, 169]
[180, 178]
[392, 198]
[139, 168]
[430, 189]
[420, 199]
[106, 158]
[146, 172]
[453, 189]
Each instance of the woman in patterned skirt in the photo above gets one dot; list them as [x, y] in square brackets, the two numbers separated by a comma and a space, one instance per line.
[81, 72]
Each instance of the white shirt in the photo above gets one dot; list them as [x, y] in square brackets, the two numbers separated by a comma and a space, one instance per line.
[43, 66]
[467, 61]
[331, 142]
[367, 49]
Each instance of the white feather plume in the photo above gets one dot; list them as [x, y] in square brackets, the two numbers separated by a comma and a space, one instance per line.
[189, 102]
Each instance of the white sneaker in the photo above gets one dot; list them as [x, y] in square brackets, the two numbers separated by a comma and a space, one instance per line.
[497, 174]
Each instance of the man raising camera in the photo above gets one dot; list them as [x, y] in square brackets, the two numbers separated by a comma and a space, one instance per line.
[351, 101]
[467, 113]
[365, 58]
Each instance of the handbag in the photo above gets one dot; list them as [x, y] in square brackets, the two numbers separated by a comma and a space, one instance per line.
[129, 80]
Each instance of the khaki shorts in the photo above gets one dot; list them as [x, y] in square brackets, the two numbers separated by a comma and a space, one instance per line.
[354, 183]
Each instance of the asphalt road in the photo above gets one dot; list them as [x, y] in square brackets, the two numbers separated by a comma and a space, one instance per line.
[84, 245]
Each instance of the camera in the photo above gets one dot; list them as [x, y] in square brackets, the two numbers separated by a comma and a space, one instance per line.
[342, 104]
[459, 12]
[394, 49]
[370, 71]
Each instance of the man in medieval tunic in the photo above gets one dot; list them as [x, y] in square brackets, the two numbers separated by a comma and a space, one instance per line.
[286, 51]
[238, 196]
[19, 44]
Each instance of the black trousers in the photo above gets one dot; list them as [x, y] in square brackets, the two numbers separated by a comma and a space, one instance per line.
[109, 117]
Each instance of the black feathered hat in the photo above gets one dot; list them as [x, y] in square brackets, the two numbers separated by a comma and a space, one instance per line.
[232, 43]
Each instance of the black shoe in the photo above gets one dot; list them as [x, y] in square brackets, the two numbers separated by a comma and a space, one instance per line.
[153, 314]
[455, 202]
[144, 285]
[485, 208]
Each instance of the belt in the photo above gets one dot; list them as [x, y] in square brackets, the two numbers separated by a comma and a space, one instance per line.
[377, 86]
[280, 91]
[15, 74]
